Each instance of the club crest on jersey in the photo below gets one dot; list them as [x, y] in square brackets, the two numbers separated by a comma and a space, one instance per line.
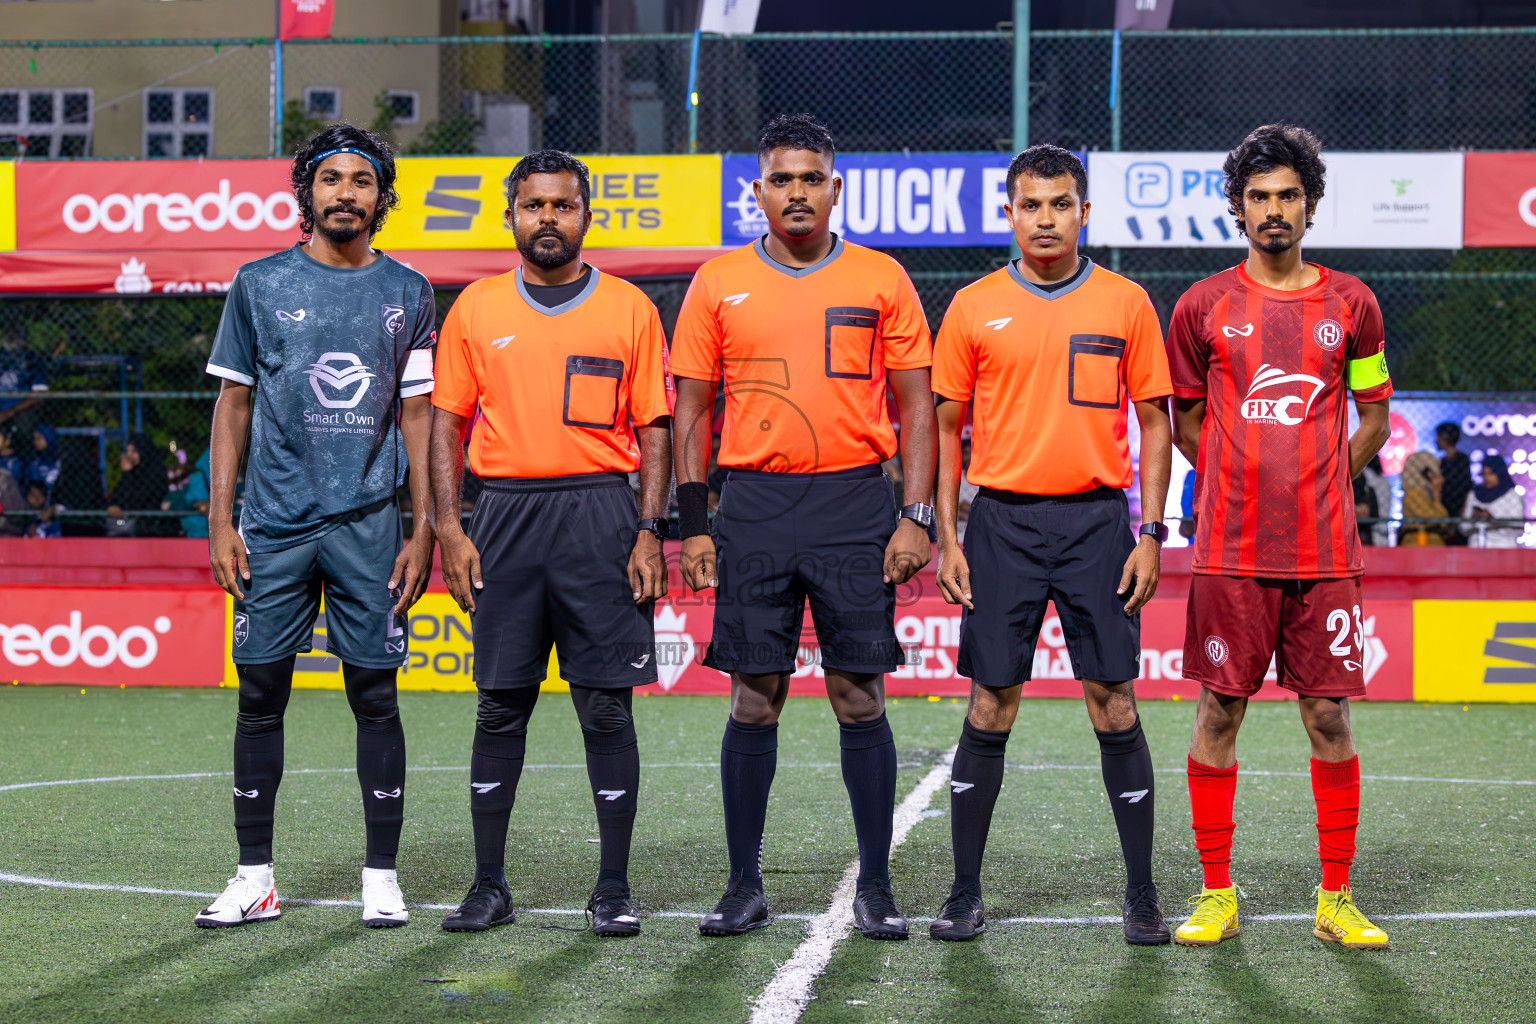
[1267, 400]
[392, 317]
[1328, 334]
[1216, 650]
[242, 629]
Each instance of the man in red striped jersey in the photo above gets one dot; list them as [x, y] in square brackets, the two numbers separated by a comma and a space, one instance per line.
[1263, 359]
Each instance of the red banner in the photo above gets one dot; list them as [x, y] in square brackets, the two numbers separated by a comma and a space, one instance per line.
[930, 630]
[1500, 199]
[155, 636]
[155, 204]
[166, 272]
[306, 19]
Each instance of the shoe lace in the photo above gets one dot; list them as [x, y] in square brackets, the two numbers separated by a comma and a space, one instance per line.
[736, 899]
[880, 901]
[607, 898]
[1341, 907]
[960, 903]
[482, 894]
[1208, 909]
[1143, 902]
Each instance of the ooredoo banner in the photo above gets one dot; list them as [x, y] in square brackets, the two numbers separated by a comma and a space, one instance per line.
[1371, 201]
[159, 204]
[1501, 199]
[100, 636]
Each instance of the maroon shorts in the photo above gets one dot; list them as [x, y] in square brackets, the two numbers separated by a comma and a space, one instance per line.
[1312, 628]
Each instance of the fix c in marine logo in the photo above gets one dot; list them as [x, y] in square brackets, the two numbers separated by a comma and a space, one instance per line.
[1268, 402]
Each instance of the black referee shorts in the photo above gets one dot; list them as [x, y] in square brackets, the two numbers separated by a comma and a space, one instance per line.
[783, 538]
[1027, 549]
[554, 557]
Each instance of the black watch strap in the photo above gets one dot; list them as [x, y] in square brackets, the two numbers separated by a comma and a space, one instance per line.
[1157, 530]
[662, 528]
[919, 513]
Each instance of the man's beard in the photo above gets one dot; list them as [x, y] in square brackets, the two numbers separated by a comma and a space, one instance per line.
[1278, 244]
[341, 234]
[800, 229]
[548, 259]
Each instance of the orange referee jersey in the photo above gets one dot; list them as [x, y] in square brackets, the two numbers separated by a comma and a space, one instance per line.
[1051, 373]
[558, 388]
[803, 354]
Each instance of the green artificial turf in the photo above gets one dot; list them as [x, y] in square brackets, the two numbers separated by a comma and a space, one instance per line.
[69, 955]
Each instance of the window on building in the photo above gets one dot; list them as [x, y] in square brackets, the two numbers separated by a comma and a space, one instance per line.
[178, 122]
[45, 122]
[322, 101]
[404, 105]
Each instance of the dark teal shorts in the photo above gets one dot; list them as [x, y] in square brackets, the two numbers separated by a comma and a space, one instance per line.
[351, 565]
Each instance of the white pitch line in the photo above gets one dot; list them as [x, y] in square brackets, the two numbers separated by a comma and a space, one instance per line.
[412, 768]
[786, 996]
[56, 883]
[1288, 775]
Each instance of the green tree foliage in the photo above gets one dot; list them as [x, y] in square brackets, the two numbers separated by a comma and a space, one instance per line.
[1475, 329]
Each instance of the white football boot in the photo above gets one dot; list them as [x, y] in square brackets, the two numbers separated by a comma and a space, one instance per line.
[383, 906]
[251, 896]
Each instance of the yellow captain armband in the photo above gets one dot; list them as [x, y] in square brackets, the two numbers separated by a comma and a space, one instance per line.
[1368, 373]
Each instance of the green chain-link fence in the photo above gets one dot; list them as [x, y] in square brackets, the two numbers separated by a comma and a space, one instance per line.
[1456, 320]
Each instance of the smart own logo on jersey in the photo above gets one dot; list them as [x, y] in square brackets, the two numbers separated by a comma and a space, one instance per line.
[1267, 400]
[339, 371]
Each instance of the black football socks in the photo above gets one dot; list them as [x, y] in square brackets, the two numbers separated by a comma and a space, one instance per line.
[1127, 766]
[495, 766]
[749, 755]
[613, 768]
[264, 691]
[869, 773]
[380, 759]
[975, 780]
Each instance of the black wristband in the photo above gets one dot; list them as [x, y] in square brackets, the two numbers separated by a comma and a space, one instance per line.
[692, 509]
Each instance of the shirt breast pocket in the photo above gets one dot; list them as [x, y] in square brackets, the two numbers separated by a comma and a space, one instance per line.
[592, 392]
[1093, 371]
[851, 333]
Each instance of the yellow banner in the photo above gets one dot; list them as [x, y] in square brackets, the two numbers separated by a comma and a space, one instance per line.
[1465, 651]
[647, 201]
[8, 205]
[441, 654]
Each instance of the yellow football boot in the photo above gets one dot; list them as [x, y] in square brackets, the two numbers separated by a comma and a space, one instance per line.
[1214, 919]
[1339, 920]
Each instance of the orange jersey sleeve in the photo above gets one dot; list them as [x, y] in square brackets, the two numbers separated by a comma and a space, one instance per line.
[954, 354]
[1146, 360]
[457, 390]
[696, 341]
[650, 388]
[908, 345]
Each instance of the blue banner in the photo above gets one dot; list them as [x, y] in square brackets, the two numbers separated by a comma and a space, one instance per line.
[890, 199]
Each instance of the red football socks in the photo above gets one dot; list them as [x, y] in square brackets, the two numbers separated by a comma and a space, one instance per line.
[1211, 794]
[1336, 788]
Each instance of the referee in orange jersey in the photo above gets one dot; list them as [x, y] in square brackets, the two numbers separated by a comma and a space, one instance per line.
[1051, 349]
[804, 332]
[563, 370]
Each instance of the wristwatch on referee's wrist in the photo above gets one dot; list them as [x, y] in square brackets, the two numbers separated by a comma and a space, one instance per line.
[662, 528]
[919, 513]
[1157, 530]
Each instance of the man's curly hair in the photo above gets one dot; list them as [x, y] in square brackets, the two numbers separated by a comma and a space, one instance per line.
[1269, 147]
[342, 136]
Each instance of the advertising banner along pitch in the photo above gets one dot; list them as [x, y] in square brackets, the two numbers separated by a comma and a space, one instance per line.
[1501, 199]
[1372, 201]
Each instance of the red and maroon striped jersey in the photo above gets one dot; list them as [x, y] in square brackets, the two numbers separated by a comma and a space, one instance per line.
[1275, 368]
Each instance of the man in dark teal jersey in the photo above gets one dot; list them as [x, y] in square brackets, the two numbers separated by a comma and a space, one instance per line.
[325, 354]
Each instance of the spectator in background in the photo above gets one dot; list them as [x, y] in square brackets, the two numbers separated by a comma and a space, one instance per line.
[1376, 479]
[141, 488]
[42, 523]
[1456, 470]
[1366, 509]
[20, 370]
[11, 501]
[1187, 507]
[1422, 486]
[10, 459]
[1497, 498]
[43, 466]
[192, 496]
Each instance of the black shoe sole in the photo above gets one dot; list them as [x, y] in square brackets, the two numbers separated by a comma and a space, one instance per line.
[716, 932]
[480, 927]
[1150, 940]
[949, 935]
[617, 931]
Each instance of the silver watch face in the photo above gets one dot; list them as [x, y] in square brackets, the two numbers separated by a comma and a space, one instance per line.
[919, 513]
